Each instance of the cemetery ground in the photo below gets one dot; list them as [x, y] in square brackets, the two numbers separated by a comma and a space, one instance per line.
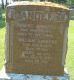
[70, 52]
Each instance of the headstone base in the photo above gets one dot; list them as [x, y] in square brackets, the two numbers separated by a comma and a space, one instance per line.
[14, 76]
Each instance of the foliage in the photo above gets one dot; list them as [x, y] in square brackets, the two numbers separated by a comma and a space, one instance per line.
[2, 33]
[2, 3]
[44, 0]
[2, 18]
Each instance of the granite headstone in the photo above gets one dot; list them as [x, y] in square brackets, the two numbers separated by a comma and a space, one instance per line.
[36, 37]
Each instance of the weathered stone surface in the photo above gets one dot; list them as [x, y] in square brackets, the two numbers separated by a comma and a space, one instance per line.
[14, 76]
[36, 38]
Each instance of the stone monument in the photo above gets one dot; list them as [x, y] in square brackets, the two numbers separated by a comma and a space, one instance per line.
[36, 38]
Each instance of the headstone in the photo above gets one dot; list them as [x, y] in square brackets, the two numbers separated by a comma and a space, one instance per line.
[15, 76]
[36, 37]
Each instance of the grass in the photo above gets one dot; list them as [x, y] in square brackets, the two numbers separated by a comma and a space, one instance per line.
[2, 38]
[70, 52]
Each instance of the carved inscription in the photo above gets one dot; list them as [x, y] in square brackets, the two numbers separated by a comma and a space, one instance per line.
[38, 41]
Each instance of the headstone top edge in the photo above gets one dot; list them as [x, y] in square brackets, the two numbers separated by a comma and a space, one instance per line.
[38, 4]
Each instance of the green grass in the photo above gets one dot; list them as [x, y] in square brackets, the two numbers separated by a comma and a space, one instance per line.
[2, 38]
[70, 53]
[2, 32]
